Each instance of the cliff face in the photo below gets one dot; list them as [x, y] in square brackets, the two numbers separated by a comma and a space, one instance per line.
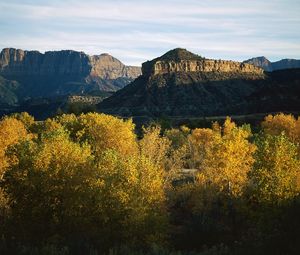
[57, 73]
[180, 60]
[182, 84]
[108, 67]
[65, 62]
[207, 65]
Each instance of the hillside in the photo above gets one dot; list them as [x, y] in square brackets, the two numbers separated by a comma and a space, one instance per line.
[8, 91]
[194, 87]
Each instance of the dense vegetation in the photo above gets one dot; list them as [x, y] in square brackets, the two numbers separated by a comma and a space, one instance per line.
[89, 185]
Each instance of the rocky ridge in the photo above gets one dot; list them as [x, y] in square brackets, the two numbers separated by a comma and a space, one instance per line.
[108, 67]
[269, 66]
[64, 62]
[59, 73]
[180, 60]
[180, 83]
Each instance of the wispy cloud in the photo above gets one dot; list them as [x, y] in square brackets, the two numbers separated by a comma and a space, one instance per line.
[135, 31]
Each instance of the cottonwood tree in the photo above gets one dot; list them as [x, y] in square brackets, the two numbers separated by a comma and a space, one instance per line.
[276, 173]
[227, 157]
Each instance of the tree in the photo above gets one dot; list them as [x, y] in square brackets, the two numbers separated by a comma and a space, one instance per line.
[227, 157]
[25, 118]
[130, 200]
[276, 173]
[210, 208]
[107, 132]
[92, 192]
[48, 186]
[11, 131]
[199, 142]
[154, 147]
[275, 125]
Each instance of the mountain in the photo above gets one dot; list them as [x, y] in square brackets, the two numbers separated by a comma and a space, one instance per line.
[182, 84]
[57, 73]
[262, 62]
[268, 66]
[286, 64]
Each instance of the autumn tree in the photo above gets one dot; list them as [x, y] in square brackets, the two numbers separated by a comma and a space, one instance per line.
[199, 142]
[107, 132]
[99, 189]
[25, 118]
[275, 125]
[276, 173]
[48, 186]
[11, 131]
[130, 200]
[225, 157]
[167, 152]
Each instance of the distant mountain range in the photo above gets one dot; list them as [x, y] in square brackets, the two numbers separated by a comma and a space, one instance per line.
[268, 66]
[31, 74]
[180, 84]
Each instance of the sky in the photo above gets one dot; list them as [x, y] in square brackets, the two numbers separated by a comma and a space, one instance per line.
[135, 31]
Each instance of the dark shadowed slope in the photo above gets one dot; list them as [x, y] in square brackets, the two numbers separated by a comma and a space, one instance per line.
[57, 73]
[195, 87]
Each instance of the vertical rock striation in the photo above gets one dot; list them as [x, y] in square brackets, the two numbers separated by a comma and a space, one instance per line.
[65, 62]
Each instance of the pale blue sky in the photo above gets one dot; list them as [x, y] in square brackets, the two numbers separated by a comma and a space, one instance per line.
[138, 30]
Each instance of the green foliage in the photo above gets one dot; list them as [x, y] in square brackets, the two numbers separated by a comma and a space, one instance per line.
[79, 108]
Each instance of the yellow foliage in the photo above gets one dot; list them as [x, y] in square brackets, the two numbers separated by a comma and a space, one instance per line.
[228, 126]
[25, 118]
[59, 155]
[226, 159]
[275, 125]
[199, 140]
[104, 132]
[154, 147]
[11, 131]
[132, 185]
[276, 173]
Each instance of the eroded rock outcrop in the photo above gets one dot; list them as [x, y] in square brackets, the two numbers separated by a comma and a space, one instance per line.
[65, 62]
[182, 84]
[180, 60]
[108, 67]
[59, 73]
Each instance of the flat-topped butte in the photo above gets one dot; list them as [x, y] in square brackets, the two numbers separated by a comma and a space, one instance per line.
[181, 60]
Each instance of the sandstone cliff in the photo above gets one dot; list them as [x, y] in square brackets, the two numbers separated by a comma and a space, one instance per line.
[108, 67]
[65, 62]
[179, 60]
[57, 73]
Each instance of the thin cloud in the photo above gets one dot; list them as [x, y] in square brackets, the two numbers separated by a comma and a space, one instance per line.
[135, 31]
